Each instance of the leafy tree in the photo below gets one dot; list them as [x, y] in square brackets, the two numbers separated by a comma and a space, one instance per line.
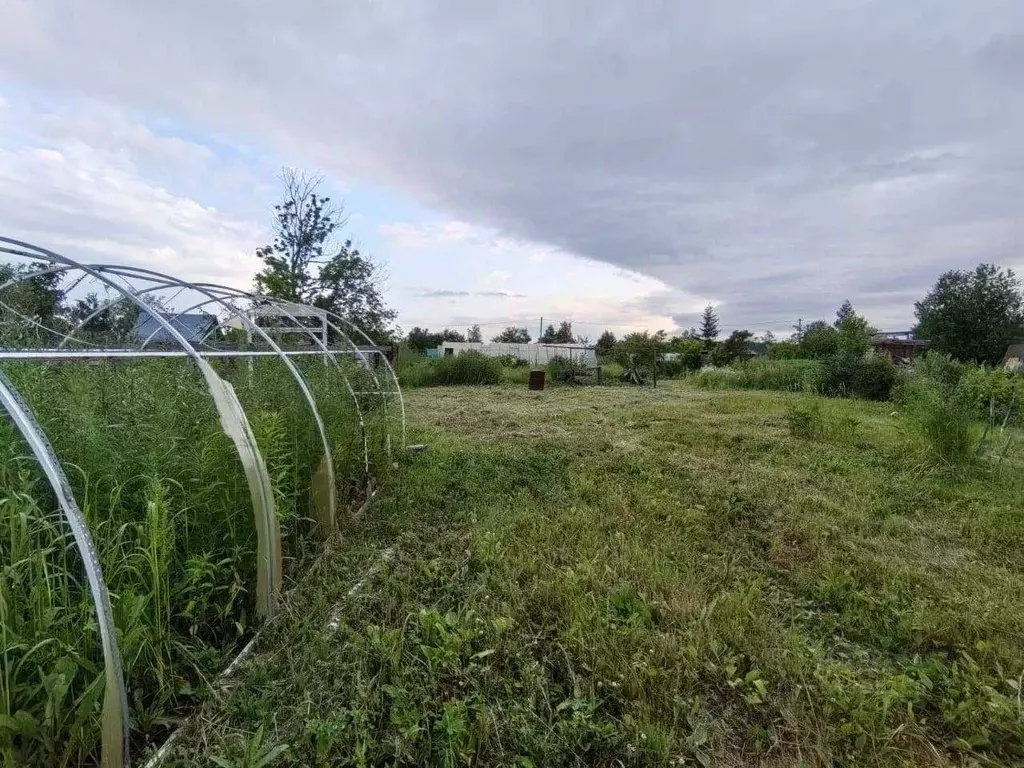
[731, 348]
[768, 338]
[548, 337]
[564, 333]
[845, 310]
[709, 325]
[787, 349]
[819, 340]
[303, 264]
[639, 348]
[422, 339]
[34, 296]
[854, 331]
[475, 335]
[972, 315]
[689, 351]
[513, 335]
[605, 343]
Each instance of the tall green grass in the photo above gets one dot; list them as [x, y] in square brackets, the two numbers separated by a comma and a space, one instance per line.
[466, 368]
[785, 375]
[167, 504]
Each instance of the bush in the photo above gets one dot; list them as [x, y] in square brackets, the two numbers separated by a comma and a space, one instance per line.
[511, 361]
[566, 369]
[785, 375]
[997, 389]
[945, 420]
[853, 376]
[805, 420]
[942, 369]
[466, 368]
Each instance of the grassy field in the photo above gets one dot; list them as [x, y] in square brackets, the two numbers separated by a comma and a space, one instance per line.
[623, 577]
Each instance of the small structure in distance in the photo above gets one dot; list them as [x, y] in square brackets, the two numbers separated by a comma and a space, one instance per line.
[899, 346]
[531, 354]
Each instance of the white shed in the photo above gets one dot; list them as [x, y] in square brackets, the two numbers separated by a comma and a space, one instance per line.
[532, 354]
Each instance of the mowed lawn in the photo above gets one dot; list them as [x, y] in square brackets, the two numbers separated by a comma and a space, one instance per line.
[621, 576]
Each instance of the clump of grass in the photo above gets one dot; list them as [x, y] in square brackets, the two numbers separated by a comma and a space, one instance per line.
[805, 420]
[467, 368]
[946, 420]
[784, 375]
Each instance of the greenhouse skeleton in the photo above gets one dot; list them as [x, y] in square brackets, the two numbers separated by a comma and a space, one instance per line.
[132, 287]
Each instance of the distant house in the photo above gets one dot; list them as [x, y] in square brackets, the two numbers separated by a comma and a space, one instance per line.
[899, 346]
[531, 354]
[1014, 357]
[194, 327]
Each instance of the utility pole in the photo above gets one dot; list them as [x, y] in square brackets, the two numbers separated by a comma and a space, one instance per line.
[540, 330]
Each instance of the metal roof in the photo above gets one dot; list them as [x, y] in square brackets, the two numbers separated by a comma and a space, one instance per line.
[194, 327]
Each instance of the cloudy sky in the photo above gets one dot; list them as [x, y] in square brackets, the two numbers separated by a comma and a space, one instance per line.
[619, 164]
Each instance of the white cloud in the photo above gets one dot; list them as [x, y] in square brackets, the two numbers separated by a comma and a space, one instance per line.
[83, 193]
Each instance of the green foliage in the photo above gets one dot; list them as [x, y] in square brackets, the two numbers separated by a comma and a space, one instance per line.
[639, 349]
[605, 344]
[299, 265]
[819, 340]
[687, 353]
[941, 368]
[730, 349]
[167, 503]
[511, 361]
[972, 316]
[421, 339]
[784, 350]
[709, 325]
[566, 369]
[805, 419]
[464, 368]
[994, 390]
[872, 377]
[946, 420]
[475, 335]
[785, 375]
[513, 335]
[854, 331]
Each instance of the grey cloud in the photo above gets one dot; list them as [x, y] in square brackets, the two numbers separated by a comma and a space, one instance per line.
[776, 157]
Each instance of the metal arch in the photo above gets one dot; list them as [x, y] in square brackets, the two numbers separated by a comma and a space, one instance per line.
[391, 369]
[234, 422]
[144, 273]
[327, 352]
[115, 698]
[115, 740]
[300, 379]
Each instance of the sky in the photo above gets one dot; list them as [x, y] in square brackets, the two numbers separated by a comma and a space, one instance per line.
[619, 165]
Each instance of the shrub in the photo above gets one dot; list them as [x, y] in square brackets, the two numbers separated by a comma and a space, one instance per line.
[467, 368]
[941, 368]
[945, 420]
[805, 420]
[511, 361]
[785, 375]
[853, 376]
[998, 389]
[566, 369]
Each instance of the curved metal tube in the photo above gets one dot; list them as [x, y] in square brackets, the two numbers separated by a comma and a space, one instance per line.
[115, 744]
[115, 697]
[330, 522]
